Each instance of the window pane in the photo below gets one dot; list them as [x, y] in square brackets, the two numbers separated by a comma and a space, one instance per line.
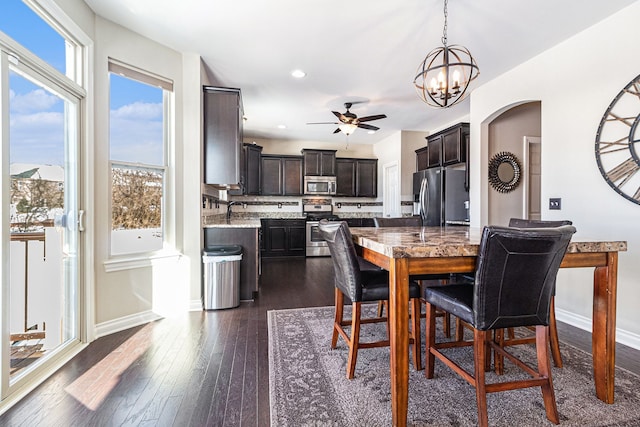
[23, 25]
[42, 302]
[136, 213]
[136, 124]
[136, 145]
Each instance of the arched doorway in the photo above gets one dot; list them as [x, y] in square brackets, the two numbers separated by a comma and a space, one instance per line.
[517, 131]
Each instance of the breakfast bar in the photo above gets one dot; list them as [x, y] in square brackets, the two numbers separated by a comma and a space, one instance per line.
[405, 251]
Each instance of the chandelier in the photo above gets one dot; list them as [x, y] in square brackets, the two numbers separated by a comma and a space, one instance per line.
[443, 77]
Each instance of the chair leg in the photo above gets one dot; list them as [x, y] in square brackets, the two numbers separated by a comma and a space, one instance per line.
[446, 324]
[544, 368]
[416, 308]
[459, 330]
[480, 358]
[381, 308]
[553, 335]
[355, 339]
[497, 357]
[339, 309]
[430, 336]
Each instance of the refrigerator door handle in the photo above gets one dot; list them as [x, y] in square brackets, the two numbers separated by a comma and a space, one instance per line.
[423, 199]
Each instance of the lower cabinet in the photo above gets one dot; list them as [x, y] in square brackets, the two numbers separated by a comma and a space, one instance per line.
[248, 238]
[360, 222]
[283, 237]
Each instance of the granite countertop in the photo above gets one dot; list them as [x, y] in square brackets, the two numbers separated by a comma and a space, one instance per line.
[234, 223]
[405, 242]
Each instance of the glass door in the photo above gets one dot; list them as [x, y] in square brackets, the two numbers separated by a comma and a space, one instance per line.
[40, 220]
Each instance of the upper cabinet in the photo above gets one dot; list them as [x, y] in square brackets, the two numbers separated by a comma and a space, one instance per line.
[444, 148]
[223, 137]
[319, 162]
[281, 175]
[252, 167]
[357, 177]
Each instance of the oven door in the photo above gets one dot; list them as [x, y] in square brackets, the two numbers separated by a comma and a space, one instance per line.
[316, 246]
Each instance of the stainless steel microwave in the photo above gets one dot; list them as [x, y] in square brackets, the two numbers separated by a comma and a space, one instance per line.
[323, 185]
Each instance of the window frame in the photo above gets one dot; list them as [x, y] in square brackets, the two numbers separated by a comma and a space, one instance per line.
[117, 262]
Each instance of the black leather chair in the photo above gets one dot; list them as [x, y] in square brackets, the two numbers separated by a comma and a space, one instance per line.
[405, 221]
[361, 286]
[415, 221]
[514, 279]
[553, 329]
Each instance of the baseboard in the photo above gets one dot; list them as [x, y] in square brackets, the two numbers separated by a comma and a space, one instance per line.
[623, 337]
[117, 325]
[195, 305]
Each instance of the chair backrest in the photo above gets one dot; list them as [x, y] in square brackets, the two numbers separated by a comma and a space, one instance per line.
[407, 221]
[536, 223]
[515, 275]
[344, 257]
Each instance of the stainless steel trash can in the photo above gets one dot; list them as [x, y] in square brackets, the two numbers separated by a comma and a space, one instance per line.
[221, 281]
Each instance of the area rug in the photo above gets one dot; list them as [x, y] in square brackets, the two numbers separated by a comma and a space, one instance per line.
[308, 387]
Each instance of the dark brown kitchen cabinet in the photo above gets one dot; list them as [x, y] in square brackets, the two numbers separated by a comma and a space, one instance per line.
[253, 166]
[366, 178]
[453, 144]
[360, 222]
[319, 162]
[356, 177]
[281, 175]
[345, 177]
[447, 147]
[422, 158]
[284, 237]
[223, 137]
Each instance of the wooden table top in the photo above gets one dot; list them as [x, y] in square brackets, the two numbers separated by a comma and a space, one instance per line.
[439, 242]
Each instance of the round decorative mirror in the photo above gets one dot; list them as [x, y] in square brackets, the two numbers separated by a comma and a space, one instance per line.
[504, 172]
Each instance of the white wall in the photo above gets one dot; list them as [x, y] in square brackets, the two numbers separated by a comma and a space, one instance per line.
[575, 82]
[133, 293]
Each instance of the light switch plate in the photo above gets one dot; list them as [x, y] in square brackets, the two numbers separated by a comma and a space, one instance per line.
[555, 204]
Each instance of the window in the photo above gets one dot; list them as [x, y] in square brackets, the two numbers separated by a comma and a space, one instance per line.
[26, 27]
[41, 108]
[139, 103]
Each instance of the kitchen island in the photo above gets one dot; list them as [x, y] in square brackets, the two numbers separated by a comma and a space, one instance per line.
[246, 233]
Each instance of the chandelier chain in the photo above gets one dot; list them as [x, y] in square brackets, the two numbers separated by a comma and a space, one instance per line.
[444, 28]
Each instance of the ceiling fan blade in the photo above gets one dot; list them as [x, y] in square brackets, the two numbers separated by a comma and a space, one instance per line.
[369, 118]
[341, 116]
[368, 127]
[323, 123]
[337, 130]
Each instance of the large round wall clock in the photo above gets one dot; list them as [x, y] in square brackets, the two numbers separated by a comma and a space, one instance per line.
[618, 143]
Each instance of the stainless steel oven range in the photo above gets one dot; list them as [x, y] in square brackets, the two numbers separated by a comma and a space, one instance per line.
[316, 246]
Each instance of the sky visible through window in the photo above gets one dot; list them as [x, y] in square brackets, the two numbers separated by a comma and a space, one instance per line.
[36, 115]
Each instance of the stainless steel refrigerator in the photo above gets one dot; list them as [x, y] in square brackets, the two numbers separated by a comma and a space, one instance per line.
[441, 196]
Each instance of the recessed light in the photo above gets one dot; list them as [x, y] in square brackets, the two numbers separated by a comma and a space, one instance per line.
[298, 74]
[282, 126]
[371, 132]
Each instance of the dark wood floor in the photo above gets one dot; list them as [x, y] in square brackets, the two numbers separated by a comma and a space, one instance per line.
[204, 369]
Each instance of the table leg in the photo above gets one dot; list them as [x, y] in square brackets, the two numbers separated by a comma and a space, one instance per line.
[605, 281]
[399, 338]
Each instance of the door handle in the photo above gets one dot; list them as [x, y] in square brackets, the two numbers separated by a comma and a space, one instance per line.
[80, 220]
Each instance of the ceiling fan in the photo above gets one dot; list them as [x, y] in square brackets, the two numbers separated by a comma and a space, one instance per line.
[349, 122]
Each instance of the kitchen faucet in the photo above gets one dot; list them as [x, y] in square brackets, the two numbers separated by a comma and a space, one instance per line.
[229, 209]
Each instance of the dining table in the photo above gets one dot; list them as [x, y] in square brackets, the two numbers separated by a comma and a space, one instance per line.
[405, 251]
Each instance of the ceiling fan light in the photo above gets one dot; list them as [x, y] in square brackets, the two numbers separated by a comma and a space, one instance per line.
[347, 128]
[298, 74]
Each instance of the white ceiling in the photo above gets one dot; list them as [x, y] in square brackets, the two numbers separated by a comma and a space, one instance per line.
[359, 50]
